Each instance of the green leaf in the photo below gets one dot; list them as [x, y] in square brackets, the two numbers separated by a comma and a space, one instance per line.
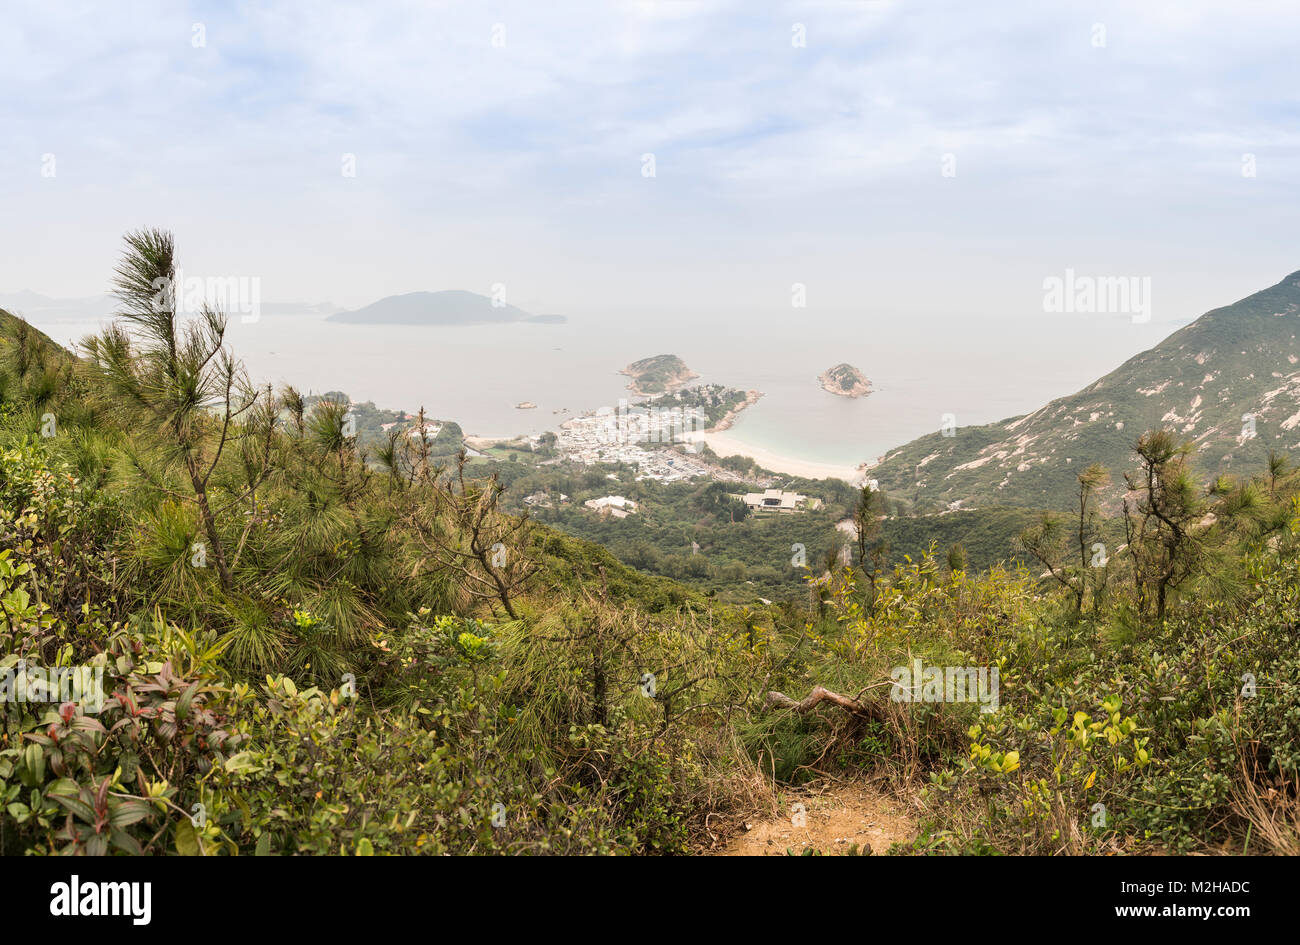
[365, 848]
[125, 842]
[241, 762]
[183, 703]
[129, 812]
[64, 786]
[263, 845]
[77, 806]
[34, 765]
[187, 839]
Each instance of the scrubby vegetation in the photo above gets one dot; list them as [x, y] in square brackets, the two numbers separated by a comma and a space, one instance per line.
[698, 533]
[311, 646]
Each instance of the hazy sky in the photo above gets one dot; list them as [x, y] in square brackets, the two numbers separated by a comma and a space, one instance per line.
[503, 143]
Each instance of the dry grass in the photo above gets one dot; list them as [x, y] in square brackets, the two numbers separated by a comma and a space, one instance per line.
[1270, 808]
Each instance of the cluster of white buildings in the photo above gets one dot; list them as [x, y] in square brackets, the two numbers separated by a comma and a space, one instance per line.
[661, 465]
[644, 437]
[626, 425]
[672, 466]
[630, 436]
[430, 431]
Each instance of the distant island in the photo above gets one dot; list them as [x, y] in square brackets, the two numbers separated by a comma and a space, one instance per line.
[661, 374]
[450, 307]
[844, 380]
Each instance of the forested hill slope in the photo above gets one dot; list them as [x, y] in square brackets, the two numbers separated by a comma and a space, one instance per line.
[36, 352]
[8, 323]
[332, 651]
[1229, 383]
[11, 326]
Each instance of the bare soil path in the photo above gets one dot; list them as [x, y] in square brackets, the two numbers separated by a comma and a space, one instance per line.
[828, 817]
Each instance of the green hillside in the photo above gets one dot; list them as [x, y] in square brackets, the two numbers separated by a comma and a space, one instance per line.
[12, 327]
[1242, 360]
[228, 628]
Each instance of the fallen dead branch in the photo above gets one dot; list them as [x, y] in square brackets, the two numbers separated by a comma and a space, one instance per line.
[820, 694]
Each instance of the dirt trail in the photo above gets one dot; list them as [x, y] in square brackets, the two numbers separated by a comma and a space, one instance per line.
[833, 816]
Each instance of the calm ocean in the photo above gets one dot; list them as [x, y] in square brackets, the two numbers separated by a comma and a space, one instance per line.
[922, 368]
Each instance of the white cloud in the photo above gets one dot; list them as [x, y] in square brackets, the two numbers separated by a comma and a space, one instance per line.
[526, 158]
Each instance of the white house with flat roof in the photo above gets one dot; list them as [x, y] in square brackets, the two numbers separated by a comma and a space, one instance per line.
[773, 500]
[614, 505]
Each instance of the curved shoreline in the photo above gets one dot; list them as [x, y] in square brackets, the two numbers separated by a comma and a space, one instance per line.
[727, 444]
[751, 397]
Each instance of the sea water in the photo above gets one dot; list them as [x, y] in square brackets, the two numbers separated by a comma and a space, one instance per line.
[921, 368]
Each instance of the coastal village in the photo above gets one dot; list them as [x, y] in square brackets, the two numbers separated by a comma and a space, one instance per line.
[658, 442]
[660, 436]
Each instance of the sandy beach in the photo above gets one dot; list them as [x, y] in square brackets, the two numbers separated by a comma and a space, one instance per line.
[727, 444]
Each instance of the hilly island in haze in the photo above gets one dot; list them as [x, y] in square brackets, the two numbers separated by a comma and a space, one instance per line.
[449, 307]
[660, 374]
[844, 380]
